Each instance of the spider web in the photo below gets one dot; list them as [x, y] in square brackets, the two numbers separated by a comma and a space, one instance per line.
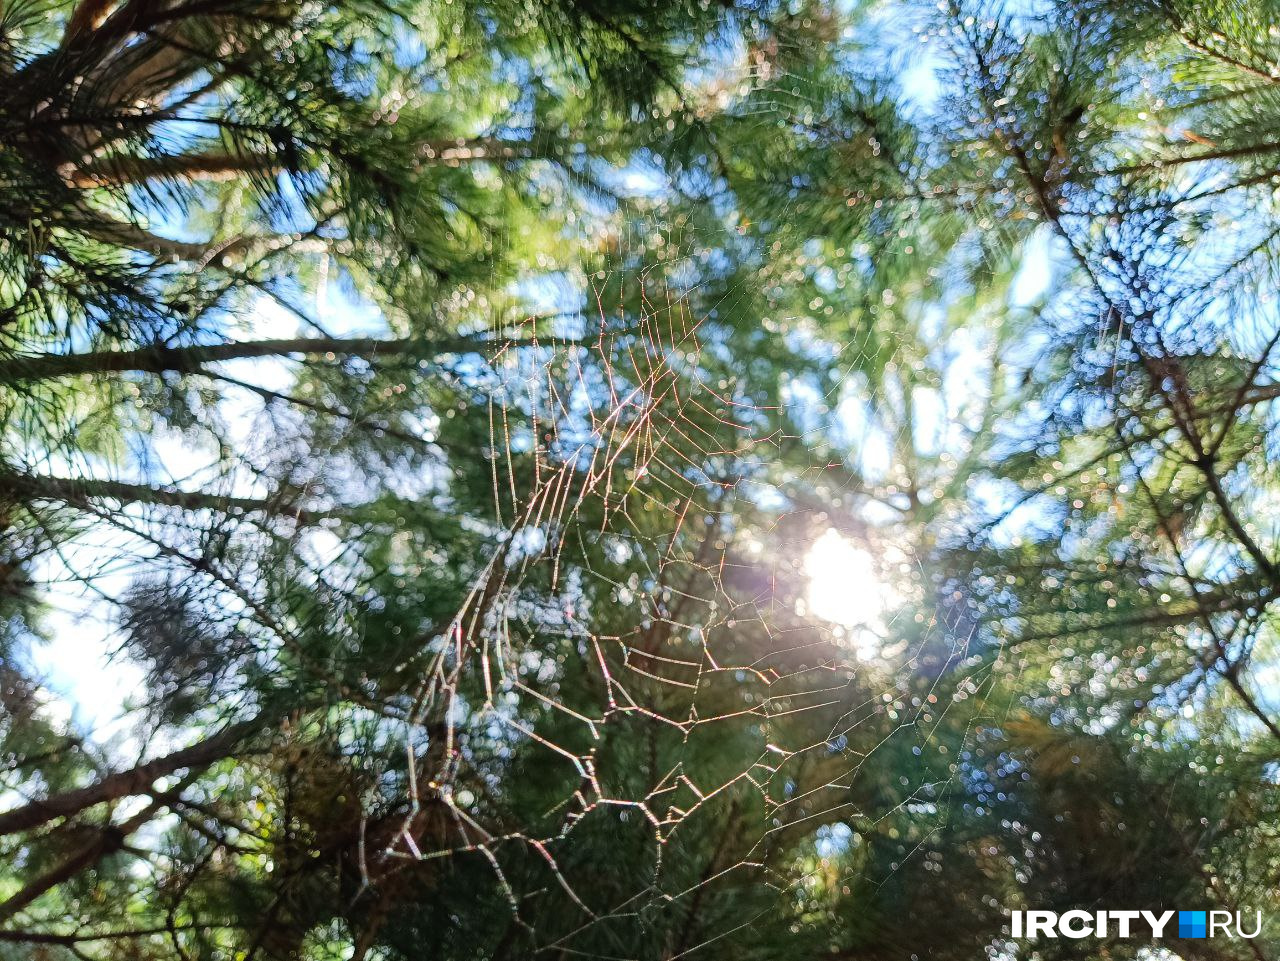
[626, 422]
[645, 591]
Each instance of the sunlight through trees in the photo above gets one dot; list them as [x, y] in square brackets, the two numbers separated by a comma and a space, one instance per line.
[674, 479]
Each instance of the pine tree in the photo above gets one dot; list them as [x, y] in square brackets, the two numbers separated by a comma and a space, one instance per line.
[474, 609]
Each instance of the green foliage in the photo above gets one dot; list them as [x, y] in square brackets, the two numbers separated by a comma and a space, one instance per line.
[436, 405]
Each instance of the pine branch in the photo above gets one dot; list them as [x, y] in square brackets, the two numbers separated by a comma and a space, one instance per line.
[67, 940]
[1222, 56]
[190, 360]
[83, 492]
[120, 170]
[1177, 399]
[1204, 156]
[121, 234]
[321, 408]
[86, 493]
[87, 16]
[456, 151]
[186, 360]
[132, 782]
[110, 840]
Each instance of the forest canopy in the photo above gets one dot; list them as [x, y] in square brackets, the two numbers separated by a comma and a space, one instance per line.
[647, 479]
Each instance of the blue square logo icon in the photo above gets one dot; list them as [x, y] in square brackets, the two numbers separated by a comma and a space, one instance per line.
[1191, 924]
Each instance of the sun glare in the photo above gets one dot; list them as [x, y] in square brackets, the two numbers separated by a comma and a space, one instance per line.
[846, 589]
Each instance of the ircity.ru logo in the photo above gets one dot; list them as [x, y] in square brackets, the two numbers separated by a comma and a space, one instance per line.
[1131, 924]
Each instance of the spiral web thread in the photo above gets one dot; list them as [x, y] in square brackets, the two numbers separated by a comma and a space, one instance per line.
[633, 446]
[649, 403]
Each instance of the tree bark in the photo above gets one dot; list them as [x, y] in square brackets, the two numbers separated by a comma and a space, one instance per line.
[187, 360]
[117, 170]
[132, 782]
[110, 839]
[82, 490]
